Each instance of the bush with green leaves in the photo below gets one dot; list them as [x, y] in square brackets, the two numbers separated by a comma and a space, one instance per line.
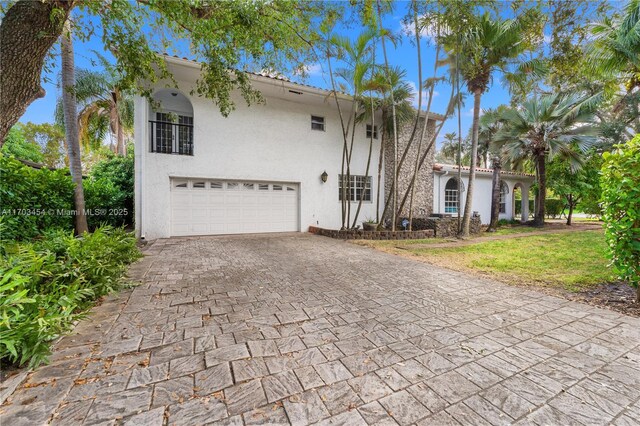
[120, 172]
[553, 207]
[620, 184]
[46, 285]
[104, 203]
[33, 200]
[18, 146]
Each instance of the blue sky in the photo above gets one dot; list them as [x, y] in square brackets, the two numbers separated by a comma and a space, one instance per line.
[403, 55]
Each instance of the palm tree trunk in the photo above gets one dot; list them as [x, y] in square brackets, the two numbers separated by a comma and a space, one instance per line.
[466, 218]
[71, 127]
[542, 189]
[380, 160]
[394, 122]
[121, 147]
[366, 173]
[495, 196]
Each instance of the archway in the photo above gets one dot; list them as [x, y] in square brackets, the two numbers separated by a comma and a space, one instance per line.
[171, 123]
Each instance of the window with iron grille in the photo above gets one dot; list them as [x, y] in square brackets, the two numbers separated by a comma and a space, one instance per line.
[359, 187]
[375, 131]
[172, 137]
[317, 123]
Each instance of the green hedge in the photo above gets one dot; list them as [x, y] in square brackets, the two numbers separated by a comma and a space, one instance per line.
[553, 207]
[47, 284]
[33, 200]
[620, 184]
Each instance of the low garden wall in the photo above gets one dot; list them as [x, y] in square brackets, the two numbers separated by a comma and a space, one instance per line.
[359, 234]
[444, 227]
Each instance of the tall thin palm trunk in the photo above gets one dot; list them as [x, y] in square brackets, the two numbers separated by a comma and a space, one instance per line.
[466, 219]
[380, 161]
[541, 169]
[495, 195]
[394, 122]
[71, 127]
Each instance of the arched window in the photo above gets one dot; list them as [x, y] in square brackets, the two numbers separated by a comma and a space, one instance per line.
[172, 123]
[452, 196]
[504, 191]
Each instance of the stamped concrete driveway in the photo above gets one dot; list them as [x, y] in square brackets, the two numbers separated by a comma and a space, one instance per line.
[303, 329]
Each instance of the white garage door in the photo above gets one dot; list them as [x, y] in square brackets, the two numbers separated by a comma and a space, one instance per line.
[207, 206]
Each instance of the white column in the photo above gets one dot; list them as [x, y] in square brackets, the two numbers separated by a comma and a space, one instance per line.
[524, 207]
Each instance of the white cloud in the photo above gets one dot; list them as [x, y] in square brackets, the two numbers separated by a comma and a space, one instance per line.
[313, 69]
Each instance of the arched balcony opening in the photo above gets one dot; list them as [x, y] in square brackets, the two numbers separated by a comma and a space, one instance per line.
[171, 123]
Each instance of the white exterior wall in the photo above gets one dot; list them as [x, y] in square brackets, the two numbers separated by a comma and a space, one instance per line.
[271, 142]
[481, 193]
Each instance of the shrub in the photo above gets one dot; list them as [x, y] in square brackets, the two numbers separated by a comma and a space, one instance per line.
[48, 284]
[620, 185]
[33, 200]
[553, 207]
[119, 171]
[104, 202]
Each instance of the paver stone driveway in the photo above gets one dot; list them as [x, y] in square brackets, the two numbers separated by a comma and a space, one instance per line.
[302, 329]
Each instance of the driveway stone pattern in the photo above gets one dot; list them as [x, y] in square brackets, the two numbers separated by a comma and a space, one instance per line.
[300, 329]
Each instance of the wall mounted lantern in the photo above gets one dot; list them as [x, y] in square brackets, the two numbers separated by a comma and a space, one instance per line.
[324, 176]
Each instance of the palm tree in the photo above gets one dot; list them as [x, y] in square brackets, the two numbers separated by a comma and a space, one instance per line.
[69, 107]
[486, 46]
[615, 51]
[388, 83]
[106, 108]
[357, 58]
[449, 148]
[545, 127]
[614, 56]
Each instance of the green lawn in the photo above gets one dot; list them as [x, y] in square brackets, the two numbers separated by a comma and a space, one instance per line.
[572, 261]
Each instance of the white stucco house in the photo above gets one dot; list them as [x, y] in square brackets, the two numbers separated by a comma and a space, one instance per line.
[271, 167]
[447, 200]
[261, 169]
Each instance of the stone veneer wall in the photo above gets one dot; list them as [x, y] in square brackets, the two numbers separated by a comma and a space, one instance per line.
[444, 227]
[358, 234]
[423, 198]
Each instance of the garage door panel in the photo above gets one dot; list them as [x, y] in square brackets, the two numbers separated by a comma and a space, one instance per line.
[222, 207]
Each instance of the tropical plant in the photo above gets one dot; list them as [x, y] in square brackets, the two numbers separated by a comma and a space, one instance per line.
[17, 146]
[486, 46]
[105, 107]
[615, 51]
[540, 129]
[69, 107]
[620, 195]
[357, 56]
[47, 285]
[33, 200]
[391, 84]
[449, 149]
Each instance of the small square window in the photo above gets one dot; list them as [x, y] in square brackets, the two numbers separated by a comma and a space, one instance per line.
[198, 184]
[375, 131]
[216, 185]
[317, 123]
[277, 187]
[232, 186]
[263, 187]
[248, 186]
